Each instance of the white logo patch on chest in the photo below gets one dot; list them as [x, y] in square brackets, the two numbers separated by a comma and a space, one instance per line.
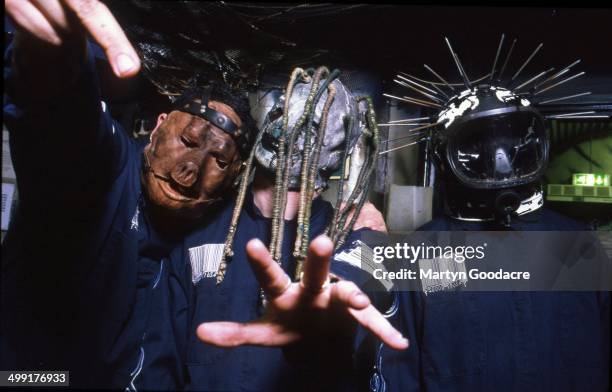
[353, 255]
[205, 261]
[361, 256]
[441, 274]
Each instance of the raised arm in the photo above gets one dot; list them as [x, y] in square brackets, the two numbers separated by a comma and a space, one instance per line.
[61, 136]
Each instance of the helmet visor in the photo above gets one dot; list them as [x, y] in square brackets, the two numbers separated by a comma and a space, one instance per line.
[499, 151]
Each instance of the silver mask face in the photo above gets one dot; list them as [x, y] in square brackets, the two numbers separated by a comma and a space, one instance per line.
[300, 143]
[268, 115]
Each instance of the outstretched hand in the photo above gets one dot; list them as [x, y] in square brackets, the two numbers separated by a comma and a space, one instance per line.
[56, 22]
[296, 310]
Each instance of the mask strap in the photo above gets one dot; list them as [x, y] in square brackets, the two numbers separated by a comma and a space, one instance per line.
[219, 119]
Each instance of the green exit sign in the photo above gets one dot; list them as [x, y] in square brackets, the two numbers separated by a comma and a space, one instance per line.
[591, 179]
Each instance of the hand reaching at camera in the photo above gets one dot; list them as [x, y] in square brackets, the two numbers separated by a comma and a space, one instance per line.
[305, 309]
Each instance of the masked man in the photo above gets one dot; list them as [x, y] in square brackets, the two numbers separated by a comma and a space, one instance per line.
[490, 160]
[98, 213]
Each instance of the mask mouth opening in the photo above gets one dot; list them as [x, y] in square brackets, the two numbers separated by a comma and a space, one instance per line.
[493, 149]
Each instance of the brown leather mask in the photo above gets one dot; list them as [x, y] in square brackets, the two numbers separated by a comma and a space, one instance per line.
[190, 163]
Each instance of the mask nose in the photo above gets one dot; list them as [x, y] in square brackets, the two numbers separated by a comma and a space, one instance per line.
[185, 174]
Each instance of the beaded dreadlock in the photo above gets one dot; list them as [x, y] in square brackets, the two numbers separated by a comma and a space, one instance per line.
[338, 229]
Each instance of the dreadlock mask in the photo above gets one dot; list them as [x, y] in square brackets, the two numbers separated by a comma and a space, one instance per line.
[268, 114]
[196, 151]
[307, 131]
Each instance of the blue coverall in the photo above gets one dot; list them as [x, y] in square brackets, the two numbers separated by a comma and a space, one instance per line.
[501, 341]
[80, 258]
[187, 295]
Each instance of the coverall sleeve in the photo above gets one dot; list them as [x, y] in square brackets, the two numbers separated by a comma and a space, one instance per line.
[378, 366]
[65, 147]
[354, 261]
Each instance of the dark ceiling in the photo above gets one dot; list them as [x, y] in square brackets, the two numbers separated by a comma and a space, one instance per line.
[244, 43]
[246, 38]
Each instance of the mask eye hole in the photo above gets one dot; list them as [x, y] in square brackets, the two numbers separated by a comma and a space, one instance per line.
[188, 142]
[221, 162]
[275, 114]
[269, 142]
